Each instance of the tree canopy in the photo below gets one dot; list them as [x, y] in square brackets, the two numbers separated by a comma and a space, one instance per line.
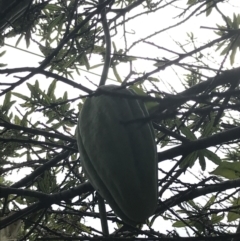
[182, 60]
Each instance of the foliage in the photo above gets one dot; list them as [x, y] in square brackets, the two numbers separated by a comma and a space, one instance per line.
[191, 92]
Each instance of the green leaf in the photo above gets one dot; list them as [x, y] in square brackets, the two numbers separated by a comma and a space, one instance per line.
[185, 130]
[53, 7]
[152, 79]
[2, 53]
[229, 170]
[193, 204]
[236, 21]
[212, 156]
[52, 88]
[24, 97]
[235, 46]
[65, 108]
[85, 61]
[202, 160]
[217, 218]
[180, 224]
[7, 103]
[7, 99]
[98, 49]
[65, 96]
[235, 214]
[54, 23]
[96, 66]
[84, 228]
[19, 39]
[209, 8]
[208, 129]
[160, 63]
[74, 156]
[17, 120]
[226, 49]
[191, 2]
[116, 74]
[232, 216]
[210, 201]
[24, 120]
[34, 89]
[189, 160]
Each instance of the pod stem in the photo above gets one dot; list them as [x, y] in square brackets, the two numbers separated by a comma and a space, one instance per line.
[103, 215]
[107, 60]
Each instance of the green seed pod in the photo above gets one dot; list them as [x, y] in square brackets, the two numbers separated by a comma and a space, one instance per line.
[119, 158]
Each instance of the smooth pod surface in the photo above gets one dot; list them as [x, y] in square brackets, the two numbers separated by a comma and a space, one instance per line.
[119, 154]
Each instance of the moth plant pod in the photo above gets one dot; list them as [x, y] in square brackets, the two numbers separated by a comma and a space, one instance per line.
[118, 152]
